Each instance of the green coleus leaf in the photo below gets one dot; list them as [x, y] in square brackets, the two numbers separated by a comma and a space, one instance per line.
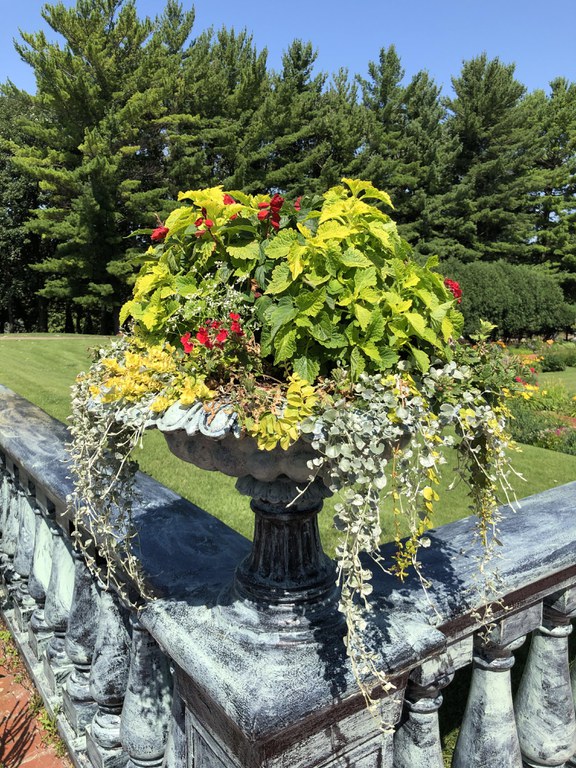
[185, 285]
[335, 341]
[312, 302]
[280, 314]
[357, 363]
[388, 358]
[265, 342]
[307, 368]
[284, 344]
[323, 329]
[363, 279]
[281, 279]
[376, 326]
[371, 350]
[420, 358]
[457, 319]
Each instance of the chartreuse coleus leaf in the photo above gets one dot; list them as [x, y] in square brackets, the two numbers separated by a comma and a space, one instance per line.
[281, 279]
[361, 188]
[279, 246]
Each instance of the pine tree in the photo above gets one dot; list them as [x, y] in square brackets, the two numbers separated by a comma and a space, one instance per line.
[483, 212]
[221, 84]
[97, 148]
[552, 202]
[20, 307]
[306, 131]
[406, 149]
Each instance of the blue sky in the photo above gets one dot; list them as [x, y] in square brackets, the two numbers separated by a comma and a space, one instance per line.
[436, 35]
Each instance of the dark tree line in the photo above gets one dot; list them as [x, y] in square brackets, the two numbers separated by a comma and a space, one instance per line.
[129, 111]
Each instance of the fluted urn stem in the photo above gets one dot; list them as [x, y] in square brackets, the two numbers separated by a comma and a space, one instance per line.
[287, 564]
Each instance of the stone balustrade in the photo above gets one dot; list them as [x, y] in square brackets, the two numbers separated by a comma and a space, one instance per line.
[218, 672]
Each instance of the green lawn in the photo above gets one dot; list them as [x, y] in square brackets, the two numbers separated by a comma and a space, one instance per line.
[567, 378]
[42, 369]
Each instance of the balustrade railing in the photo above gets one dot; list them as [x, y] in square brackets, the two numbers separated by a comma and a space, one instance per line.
[206, 676]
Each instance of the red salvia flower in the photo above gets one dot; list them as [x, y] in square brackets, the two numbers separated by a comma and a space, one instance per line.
[228, 199]
[454, 288]
[276, 202]
[159, 234]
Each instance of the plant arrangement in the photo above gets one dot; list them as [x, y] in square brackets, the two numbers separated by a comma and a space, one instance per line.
[311, 320]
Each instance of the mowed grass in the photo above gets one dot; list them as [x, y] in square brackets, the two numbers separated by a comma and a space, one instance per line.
[567, 378]
[43, 368]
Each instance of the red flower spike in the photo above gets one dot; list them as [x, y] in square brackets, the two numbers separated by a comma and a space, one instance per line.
[263, 205]
[454, 288]
[186, 343]
[208, 223]
[298, 203]
[235, 328]
[199, 222]
[228, 199]
[276, 202]
[234, 216]
[234, 316]
[159, 234]
[263, 215]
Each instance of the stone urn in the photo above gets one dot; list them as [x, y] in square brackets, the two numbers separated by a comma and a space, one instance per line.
[287, 577]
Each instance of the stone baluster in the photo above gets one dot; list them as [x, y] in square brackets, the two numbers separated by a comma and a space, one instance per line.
[108, 680]
[545, 703]
[57, 665]
[79, 642]
[572, 762]
[146, 710]
[176, 755]
[10, 526]
[24, 603]
[38, 582]
[417, 741]
[4, 491]
[488, 737]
